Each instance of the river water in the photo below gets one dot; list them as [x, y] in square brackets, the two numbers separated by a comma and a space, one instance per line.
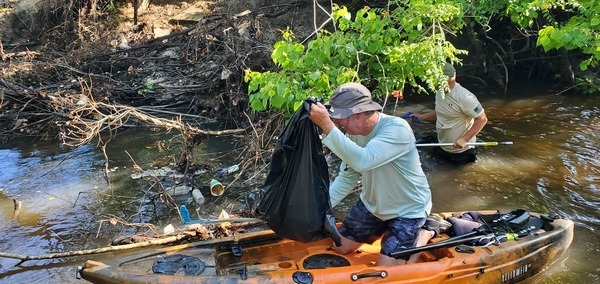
[551, 167]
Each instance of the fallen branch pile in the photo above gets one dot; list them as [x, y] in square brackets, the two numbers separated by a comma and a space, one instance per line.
[200, 235]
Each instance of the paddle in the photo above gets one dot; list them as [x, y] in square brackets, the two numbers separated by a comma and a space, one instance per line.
[447, 243]
[519, 224]
[468, 144]
[478, 231]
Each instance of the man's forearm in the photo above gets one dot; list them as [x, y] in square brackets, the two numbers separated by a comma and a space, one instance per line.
[426, 116]
[478, 125]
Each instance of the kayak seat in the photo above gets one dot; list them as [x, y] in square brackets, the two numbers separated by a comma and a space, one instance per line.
[462, 226]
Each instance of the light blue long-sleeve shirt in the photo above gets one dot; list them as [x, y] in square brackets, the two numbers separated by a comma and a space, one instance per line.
[393, 182]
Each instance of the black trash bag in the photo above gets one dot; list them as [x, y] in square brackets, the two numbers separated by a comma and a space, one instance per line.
[296, 203]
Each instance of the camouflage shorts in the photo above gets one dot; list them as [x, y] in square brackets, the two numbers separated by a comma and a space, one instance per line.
[363, 227]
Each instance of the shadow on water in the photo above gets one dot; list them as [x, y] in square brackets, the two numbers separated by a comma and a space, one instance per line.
[551, 167]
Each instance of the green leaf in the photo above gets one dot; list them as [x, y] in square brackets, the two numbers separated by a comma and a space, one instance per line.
[314, 76]
[277, 101]
[584, 65]
[257, 105]
[557, 35]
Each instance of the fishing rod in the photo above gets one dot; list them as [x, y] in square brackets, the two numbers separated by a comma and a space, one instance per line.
[468, 144]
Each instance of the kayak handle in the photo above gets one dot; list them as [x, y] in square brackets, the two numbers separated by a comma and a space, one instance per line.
[356, 277]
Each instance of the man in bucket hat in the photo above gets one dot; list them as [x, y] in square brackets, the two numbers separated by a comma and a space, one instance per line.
[459, 118]
[395, 199]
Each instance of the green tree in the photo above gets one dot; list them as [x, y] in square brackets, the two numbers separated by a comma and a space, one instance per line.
[573, 25]
[404, 44]
[381, 48]
[556, 25]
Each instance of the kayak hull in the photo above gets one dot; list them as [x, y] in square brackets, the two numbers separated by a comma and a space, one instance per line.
[265, 258]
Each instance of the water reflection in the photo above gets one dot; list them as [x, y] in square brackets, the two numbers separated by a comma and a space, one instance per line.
[551, 167]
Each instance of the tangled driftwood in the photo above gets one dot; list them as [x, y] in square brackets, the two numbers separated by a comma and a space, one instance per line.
[201, 234]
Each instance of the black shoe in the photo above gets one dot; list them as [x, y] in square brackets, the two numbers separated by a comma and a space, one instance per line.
[437, 224]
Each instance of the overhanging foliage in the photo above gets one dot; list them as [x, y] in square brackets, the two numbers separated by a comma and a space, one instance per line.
[404, 45]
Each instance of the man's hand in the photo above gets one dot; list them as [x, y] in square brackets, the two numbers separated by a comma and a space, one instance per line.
[478, 124]
[320, 116]
[460, 143]
[412, 117]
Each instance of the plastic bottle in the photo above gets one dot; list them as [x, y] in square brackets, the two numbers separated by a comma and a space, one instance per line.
[232, 169]
[198, 197]
[228, 170]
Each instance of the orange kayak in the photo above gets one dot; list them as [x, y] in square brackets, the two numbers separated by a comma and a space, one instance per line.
[262, 257]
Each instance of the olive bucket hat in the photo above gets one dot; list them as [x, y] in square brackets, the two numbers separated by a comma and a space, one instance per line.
[349, 99]
[449, 70]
